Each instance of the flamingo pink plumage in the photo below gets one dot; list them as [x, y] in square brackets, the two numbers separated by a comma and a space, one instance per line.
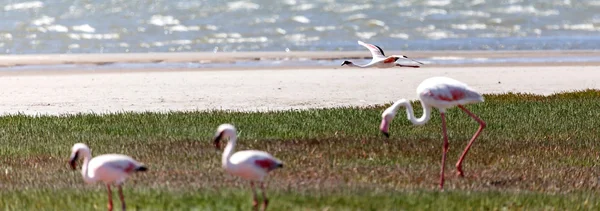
[107, 168]
[441, 93]
[251, 165]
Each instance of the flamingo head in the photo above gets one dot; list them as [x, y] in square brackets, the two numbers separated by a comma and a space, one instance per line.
[77, 150]
[346, 63]
[224, 131]
[386, 119]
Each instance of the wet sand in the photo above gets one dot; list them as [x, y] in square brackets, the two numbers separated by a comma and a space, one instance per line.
[67, 92]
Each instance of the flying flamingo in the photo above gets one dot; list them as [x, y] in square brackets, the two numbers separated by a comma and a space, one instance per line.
[441, 93]
[107, 168]
[251, 165]
[380, 60]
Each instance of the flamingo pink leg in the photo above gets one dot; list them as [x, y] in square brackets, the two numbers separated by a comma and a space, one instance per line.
[444, 150]
[265, 199]
[413, 66]
[110, 202]
[254, 199]
[122, 197]
[481, 127]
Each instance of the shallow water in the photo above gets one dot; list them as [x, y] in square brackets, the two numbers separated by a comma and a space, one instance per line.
[82, 26]
[450, 60]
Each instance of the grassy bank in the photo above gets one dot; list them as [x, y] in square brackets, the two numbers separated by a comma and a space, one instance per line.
[537, 152]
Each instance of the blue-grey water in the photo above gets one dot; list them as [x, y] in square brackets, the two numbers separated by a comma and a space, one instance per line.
[291, 63]
[93, 26]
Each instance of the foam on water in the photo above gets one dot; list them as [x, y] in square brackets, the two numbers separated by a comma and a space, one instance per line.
[24, 5]
[297, 25]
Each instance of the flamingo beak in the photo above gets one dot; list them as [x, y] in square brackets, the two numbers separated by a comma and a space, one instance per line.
[217, 140]
[384, 128]
[73, 161]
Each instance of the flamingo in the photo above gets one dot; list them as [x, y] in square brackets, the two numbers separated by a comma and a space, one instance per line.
[441, 93]
[107, 168]
[380, 60]
[251, 165]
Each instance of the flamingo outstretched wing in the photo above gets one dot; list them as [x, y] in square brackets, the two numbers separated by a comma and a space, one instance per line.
[376, 51]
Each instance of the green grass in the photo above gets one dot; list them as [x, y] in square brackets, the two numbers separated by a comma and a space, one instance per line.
[143, 199]
[537, 153]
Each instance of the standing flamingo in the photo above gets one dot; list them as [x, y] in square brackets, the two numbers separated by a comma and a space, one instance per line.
[379, 59]
[251, 165]
[107, 168]
[441, 93]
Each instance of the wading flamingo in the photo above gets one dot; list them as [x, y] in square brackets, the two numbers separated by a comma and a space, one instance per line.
[380, 60]
[107, 168]
[441, 93]
[251, 165]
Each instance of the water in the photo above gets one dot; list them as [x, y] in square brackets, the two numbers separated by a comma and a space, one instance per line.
[290, 63]
[93, 26]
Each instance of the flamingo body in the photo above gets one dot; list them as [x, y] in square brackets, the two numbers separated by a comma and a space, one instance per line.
[252, 164]
[441, 93]
[444, 92]
[112, 168]
[380, 60]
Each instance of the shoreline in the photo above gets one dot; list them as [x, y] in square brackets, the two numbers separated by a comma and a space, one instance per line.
[7, 61]
[257, 90]
[90, 71]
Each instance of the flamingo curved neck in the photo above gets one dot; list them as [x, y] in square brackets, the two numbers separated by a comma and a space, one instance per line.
[410, 112]
[85, 169]
[228, 151]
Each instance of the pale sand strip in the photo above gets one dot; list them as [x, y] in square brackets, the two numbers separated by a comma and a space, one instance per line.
[251, 90]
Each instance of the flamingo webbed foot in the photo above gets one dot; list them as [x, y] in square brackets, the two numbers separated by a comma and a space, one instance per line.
[459, 171]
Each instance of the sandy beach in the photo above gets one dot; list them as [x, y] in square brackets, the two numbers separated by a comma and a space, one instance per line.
[66, 92]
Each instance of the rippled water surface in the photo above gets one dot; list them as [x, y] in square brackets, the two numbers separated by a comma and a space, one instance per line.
[68, 26]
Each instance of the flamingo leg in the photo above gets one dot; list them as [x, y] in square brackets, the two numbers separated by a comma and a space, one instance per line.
[264, 195]
[110, 202]
[254, 199]
[444, 150]
[121, 197]
[413, 66]
[481, 127]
